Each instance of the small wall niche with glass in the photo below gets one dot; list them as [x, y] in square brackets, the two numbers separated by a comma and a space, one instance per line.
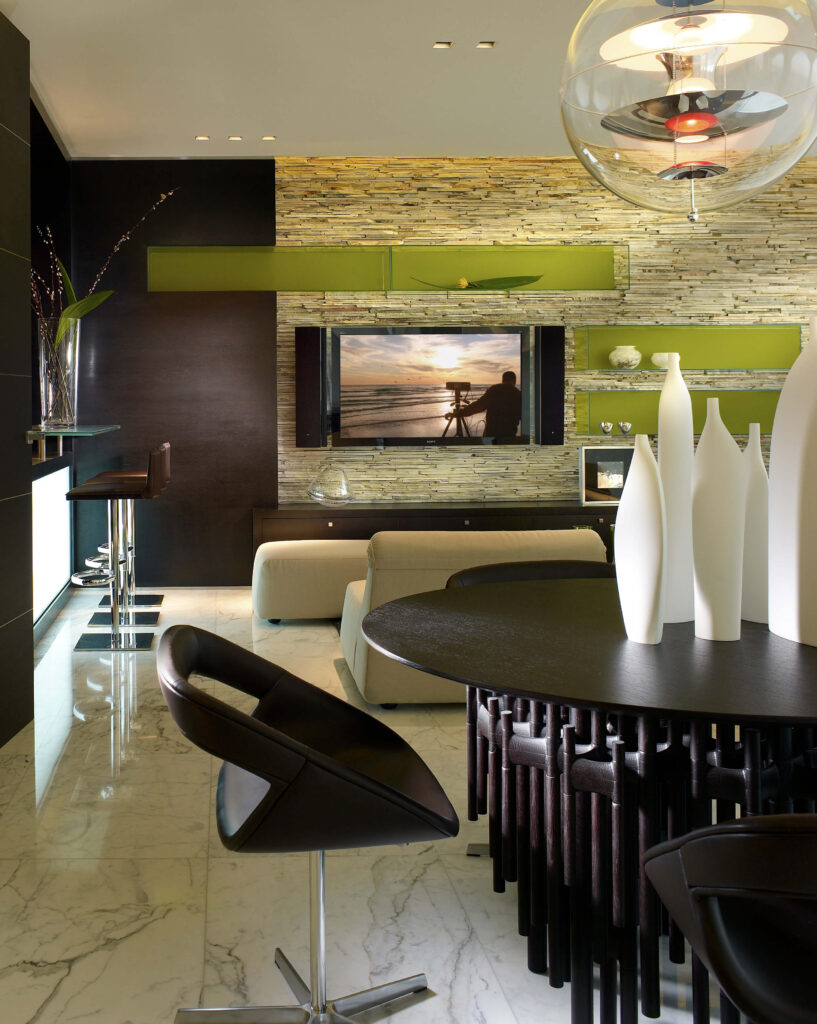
[596, 410]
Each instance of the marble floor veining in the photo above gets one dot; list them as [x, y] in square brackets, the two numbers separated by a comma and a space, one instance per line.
[118, 904]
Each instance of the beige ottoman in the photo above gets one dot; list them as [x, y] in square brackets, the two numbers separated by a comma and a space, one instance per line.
[305, 579]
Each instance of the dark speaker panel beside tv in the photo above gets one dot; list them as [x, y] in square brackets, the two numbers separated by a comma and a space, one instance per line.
[549, 361]
[310, 388]
[429, 386]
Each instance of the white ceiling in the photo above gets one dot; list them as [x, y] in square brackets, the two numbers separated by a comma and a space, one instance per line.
[141, 78]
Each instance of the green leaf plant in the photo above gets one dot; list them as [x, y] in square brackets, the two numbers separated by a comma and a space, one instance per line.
[76, 308]
[54, 295]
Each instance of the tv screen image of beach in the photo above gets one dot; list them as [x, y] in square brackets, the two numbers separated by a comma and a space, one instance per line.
[427, 387]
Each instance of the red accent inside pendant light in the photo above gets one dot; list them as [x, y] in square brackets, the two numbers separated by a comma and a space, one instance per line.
[690, 122]
[693, 163]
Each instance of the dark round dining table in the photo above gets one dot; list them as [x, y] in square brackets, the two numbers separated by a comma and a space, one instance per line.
[564, 641]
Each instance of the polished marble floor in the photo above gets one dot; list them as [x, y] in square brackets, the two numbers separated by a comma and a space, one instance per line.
[118, 904]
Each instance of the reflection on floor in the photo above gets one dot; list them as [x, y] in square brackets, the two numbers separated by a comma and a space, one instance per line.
[118, 904]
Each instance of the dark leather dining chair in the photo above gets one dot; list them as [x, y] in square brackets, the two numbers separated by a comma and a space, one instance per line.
[745, 895]
[505, 572]
[521, 773]
[307, 772]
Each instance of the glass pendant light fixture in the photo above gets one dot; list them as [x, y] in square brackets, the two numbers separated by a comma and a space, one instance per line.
[694, 105]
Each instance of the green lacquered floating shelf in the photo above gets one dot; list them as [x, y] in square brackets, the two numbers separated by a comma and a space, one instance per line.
[640, 408]
[418, 268]
[701, 346]
[366, 268]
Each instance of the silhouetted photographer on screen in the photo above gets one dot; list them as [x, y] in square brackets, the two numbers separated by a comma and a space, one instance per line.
[502, 405]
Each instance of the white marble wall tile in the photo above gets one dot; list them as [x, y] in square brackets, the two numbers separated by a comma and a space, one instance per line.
[494, 919]
[387, 917]
[159, 825]
[100, 941]
[13, 768]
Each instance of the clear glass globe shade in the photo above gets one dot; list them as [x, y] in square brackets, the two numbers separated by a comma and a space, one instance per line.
[644, 78]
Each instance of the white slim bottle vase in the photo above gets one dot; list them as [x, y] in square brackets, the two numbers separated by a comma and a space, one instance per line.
[640, 547]
[718, 515]
[755, 603]
[675, 454]
[792, 495]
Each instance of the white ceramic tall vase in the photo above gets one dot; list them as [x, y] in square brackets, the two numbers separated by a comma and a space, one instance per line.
[792, 496]
[718, 515]
[755, 603]
[640, 547]
[675, 454]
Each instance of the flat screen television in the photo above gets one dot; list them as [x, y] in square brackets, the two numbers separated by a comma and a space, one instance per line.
[430, 385]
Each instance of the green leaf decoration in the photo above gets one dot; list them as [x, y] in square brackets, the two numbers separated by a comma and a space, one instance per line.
[503, 284]
[77, 310]
[496, 284]
[442, 287]
[70, 294]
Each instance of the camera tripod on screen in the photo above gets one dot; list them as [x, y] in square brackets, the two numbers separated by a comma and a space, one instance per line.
[460, 389]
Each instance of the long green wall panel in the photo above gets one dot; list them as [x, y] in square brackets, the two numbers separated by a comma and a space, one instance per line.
[386, 268]
[554, 267]
[702, 347]
[216, 268]
[640, 408]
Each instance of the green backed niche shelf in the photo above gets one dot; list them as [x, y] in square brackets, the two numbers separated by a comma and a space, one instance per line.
[640, 408]
[378, 268]
[701, 346]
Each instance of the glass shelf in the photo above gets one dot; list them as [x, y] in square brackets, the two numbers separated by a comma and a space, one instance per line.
[41, 434]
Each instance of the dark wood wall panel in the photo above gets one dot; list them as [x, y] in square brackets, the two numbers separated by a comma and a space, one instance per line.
[196, 369]
[16, 643]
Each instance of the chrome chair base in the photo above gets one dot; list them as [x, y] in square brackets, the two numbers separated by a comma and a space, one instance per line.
[314, 1007]
[338, 1011]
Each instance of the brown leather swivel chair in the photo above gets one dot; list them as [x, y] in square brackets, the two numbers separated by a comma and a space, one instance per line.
[745, 895]
[305, 771]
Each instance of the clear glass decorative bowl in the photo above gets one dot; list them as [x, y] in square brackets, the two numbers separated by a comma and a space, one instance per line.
[330, 486]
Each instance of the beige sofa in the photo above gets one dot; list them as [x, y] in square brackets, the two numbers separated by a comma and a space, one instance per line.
[411, 562]
[305, 579]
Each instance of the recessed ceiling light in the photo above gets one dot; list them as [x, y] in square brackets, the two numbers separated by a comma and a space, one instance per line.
[268, 138]
[443, 44]
[235, 138]
[486, 44]
[202, 138]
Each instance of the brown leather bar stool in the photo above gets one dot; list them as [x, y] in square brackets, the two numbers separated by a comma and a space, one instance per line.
[116, 493]
[134, 600]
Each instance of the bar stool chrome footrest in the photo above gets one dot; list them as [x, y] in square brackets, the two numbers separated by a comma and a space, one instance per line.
[127, 620]
[92, 578]
[124, 643]
[103, 549]
[101, 562]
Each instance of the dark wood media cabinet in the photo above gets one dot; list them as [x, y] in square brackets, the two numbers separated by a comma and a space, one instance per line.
[309, 521]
